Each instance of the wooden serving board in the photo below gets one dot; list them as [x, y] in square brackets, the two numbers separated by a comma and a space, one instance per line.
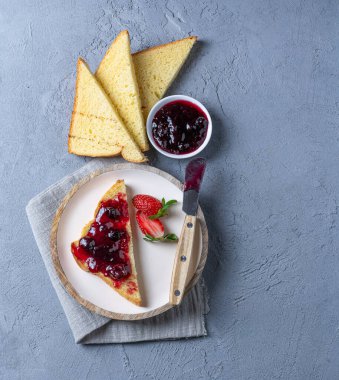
[154, 260]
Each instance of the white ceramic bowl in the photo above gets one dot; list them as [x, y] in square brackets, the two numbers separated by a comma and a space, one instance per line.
[170, 99]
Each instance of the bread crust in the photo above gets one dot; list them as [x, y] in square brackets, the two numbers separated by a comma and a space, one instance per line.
[120, 153]
[75, 105]
[135, 298]
[194, 38]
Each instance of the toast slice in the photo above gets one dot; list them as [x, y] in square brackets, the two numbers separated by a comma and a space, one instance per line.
[157, 67]
[96, 128]
[117, 76]
[97, 257]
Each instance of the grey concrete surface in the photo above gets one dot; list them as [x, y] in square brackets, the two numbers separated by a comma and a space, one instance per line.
[268, 72]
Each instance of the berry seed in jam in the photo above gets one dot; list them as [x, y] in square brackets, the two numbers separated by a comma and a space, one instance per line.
[179, 127]
[105, 246]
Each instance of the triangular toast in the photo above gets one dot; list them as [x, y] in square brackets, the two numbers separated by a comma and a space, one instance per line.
[127, 286]
[117, 77]
[96, 128]
[157, 67]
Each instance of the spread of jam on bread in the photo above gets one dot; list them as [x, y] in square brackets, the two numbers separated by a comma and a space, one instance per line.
[179, 127]
[106, 248]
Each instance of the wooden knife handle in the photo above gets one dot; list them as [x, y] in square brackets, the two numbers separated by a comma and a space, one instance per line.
[182, 260]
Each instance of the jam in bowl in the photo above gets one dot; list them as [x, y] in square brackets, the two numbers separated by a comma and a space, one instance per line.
[179, 126]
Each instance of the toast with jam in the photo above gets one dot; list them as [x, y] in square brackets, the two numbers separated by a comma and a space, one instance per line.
[105, 248]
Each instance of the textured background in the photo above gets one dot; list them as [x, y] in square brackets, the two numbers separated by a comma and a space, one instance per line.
[268, 72]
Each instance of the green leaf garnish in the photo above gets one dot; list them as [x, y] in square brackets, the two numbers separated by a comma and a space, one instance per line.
[164, 208]
[168, 237]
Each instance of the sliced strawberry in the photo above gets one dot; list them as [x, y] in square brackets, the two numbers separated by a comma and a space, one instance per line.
[147, 204]
[153, 228]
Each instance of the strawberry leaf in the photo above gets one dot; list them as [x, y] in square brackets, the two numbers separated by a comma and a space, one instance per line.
[171, 237]
[163, 211]
[168, 237]
[150, 238]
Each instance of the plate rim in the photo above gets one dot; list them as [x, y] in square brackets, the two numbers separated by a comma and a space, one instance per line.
[55, 256]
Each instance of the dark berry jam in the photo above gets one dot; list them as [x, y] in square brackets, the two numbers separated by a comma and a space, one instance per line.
[105, 247]
[179, 127]
[194, 173]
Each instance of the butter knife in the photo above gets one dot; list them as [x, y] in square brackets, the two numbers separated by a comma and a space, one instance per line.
[193, 177]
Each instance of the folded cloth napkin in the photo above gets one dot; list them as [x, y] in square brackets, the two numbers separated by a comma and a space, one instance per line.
[184, 321]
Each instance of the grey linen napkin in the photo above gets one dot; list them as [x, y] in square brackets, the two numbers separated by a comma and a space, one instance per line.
[184, 321]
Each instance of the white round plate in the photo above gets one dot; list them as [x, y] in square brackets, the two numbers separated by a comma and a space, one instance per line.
[154, 260]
